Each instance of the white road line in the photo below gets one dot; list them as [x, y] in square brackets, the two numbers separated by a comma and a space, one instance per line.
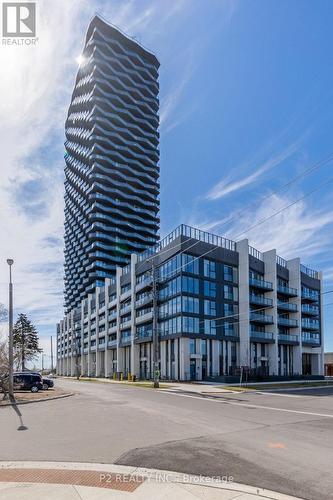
[282, 395]
[249, 405]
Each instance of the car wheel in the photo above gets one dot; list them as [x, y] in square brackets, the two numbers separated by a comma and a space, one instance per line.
[45, 387]
[34, 388]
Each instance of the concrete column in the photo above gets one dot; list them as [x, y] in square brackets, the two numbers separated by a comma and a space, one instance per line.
[135, 348]
[163, 359]
[215, 357]
[97, 366]
[120, 354]
[270, 275]
[184, 358]
[209, 368]
[229, 357]
[242, 248]
[169, 360]
[82, 339]
[176, 348]
[107, 351]
[321, 367]
[293, 266]
[224, 352]
[89, 360]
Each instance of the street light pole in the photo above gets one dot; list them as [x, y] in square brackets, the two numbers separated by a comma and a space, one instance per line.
[10, 262]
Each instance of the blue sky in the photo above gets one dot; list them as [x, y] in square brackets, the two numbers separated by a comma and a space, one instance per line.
[246, 105]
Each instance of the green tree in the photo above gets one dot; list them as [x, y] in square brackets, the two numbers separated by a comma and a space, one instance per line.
[25, 339]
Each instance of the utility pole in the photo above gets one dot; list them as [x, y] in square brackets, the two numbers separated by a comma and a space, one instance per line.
[10, 262]
[42, 361]
[51, 355]
[155, 330]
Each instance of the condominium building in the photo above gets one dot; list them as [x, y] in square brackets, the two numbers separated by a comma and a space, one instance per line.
[111, 172]
[222, 307]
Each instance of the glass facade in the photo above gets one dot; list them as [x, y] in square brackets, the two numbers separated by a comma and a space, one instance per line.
[111, 171]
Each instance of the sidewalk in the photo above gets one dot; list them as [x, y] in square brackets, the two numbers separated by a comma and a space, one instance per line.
[70, 481]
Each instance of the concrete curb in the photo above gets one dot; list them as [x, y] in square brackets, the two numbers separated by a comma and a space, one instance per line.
[151, 474]
[41, 400]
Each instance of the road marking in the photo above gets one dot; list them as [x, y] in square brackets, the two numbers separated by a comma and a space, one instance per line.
[282, 395]
[278, 446]
[249, 405]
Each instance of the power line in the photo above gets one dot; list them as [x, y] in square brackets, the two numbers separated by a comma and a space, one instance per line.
[311, 169]
[287, 206]
[255, 225]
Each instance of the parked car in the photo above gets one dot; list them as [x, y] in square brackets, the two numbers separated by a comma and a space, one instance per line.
[27, 382]
[46, 381]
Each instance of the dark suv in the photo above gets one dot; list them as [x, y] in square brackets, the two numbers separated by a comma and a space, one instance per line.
[27, 382]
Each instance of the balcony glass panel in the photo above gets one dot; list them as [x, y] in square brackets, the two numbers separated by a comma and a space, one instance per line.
[266, 285]
[288, 338]
[262, 301]
[261, 335]
[288, 322]
[287, 290]
[310, 338]
[261, 318]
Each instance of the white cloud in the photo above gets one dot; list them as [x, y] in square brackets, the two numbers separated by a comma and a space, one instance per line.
[36, 85]
[229, 184]
[301, 230]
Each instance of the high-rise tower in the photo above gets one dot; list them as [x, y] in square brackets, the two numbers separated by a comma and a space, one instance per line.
[111, 172]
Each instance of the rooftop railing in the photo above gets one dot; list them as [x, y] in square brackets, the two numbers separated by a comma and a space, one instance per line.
[309, 272]
[280, 261]
[189, 232]
[255, 253]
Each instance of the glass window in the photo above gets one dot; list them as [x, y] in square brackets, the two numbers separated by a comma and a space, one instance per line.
[209, 268]
[230, 292]
[190, 304]
[230, 309]
[170, 326]
[171, 288]
[190, 285]
[209, 288]
[210, 327]
[191, 324]
[210, 307]
[170, 307]
[230, 273]
[192, 346]
[190, 264]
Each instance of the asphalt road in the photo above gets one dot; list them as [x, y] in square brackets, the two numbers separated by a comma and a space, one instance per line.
[283, 442]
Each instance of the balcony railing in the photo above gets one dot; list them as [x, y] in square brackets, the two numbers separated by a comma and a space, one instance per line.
[280, 261]
[291, 323]
[266, 319]
[283, 337]
[255, 253]
[258, 283]
[310, 324]
[230, 332]
[189, 232]
[309, 272]
[287, 306]
[287, 290]
[261, 301]
[310, 294]
[309, 309]
[310, 338]
[261, 335]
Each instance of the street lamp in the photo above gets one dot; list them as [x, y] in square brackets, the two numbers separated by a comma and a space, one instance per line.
[10, 262]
